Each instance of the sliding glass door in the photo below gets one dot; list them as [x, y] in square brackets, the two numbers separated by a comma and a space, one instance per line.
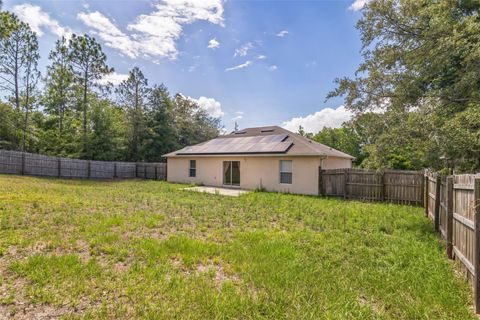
[231, 173]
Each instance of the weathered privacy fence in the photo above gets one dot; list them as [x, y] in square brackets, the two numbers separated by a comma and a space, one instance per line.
[396, 186]
[23, 163]
[453, 203]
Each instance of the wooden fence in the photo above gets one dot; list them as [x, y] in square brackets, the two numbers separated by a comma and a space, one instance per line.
[396, 186]
[453, 203]
[14, 162]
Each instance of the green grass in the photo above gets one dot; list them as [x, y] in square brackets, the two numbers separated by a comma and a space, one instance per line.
[147, 249]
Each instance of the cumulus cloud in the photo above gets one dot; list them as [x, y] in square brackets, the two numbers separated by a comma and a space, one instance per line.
[213, 44]
[262, 57]
[212, 106]
[313, 123]
[283, 33]
[40, 21]
[110, 33]
[358, 5]
[240, 66]
[155, 34]
[113, 78]
[243, 50]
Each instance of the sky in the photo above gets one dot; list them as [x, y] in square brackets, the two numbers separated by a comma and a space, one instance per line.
[256, 63]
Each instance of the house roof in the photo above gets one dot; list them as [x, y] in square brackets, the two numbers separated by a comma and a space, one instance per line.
[272, 140]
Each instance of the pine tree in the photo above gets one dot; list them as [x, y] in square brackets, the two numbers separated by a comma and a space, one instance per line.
[89, 64]
[132, 95]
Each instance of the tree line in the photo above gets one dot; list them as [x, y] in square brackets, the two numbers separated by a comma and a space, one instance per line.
[416, 95]
[69, 112]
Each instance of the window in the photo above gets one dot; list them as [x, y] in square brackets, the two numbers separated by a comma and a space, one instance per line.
[286, 171]
[193, 168]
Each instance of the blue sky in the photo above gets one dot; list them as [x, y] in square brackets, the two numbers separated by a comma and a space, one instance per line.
[254, 62]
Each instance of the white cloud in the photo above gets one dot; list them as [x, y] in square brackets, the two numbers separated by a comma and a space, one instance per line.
[240, 66]
[262, 57]
[238, 116]
[155, 34]
[283, 33]
[111, 34]
[272, 67]
[358, 5]
[212, 106]
[213, 44]
[113, 78]
[313, 123]
[39, 20]
[243, 50]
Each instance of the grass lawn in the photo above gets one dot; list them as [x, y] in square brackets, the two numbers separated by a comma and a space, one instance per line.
[147, 249]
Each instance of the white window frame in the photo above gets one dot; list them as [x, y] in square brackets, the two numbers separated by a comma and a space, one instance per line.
[280, 171]
[190, 168]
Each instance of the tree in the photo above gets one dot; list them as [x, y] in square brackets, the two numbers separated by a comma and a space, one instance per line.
[103, 139]
[15, 56]
[415, 50]
[132, 95]
[30, 79]
[18, 69]
[420, 60]
[89, 64]
[343, 139]
[301, 131]
[7, 23]
[59, 84]
[160, 133]
[193, 124]
[7, 126]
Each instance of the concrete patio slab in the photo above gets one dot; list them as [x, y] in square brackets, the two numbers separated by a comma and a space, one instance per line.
[216, 190]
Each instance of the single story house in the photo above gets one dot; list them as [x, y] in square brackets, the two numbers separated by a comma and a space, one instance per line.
[270, 158]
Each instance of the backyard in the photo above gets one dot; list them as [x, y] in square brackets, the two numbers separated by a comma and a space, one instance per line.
[148, 249]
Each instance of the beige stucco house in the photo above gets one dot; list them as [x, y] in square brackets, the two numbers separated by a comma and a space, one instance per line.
[271, 158]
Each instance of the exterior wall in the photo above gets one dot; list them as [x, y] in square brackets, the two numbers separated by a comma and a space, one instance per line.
[255, 172]
[336, 163]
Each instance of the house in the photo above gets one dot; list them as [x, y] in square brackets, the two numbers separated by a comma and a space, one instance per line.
[271, 158]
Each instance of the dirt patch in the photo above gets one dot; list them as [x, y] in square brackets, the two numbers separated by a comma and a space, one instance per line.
[16, 306]
[220, 276]
[376, 307]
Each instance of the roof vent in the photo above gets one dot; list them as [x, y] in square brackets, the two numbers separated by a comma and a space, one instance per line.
[267, 130]
[240, 132]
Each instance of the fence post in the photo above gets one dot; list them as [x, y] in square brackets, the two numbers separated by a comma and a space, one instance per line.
[59, 167]
[114, 170]
[156, 172]
[438, 182]
[476, 204]
[320, 183]
[136, 169]
[144, 170]
[23, 164]
[382, 192]
[345, 179]
[421, 191]
[426, 194]
[89, 169]
[449, 217]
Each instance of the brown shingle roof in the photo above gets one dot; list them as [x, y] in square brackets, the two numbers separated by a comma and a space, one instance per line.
[256, 141]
